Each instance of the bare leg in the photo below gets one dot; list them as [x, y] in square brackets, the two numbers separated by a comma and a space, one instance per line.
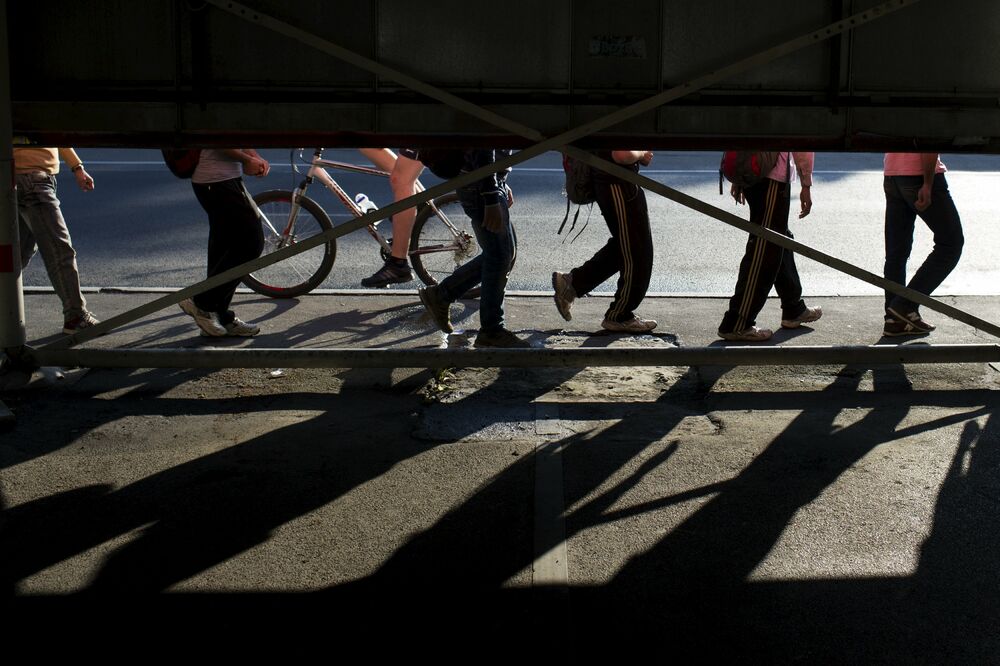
[383, 158]
[404, 184]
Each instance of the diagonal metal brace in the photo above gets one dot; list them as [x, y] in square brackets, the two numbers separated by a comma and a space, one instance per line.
[555, 143]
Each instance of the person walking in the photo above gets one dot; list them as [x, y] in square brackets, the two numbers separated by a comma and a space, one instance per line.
[41, 225]
[486, 203]
[765, 264]
[628, 252]
[235, 235]
[915, 185]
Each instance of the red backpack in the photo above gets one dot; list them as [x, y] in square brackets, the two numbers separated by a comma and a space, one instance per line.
[745, 168]
[181, 162]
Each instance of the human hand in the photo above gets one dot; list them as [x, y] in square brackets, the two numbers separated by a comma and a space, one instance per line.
[84, 180]
[493, 219]
[510, 195]
[805, 201]
[646, 158]
[255, 165]
[923, 197]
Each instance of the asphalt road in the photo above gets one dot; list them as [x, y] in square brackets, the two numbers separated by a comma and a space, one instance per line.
[142, 227]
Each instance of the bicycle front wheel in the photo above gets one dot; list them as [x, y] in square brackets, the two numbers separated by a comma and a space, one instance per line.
[442, 240]
[303, 272]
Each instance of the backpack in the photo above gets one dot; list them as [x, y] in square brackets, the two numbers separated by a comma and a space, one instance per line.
[181, 162]
[444, 163]
[579, 181]
[746, 168]
[579, 190]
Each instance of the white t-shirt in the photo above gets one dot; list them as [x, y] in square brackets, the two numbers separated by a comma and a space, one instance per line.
[215, 166]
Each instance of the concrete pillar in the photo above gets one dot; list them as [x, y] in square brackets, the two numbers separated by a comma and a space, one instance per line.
[12, 335]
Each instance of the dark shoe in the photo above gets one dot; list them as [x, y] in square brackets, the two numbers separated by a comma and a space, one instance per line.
[895, 328]
[501, 337]
[913, 320]
[79, 322]
[808, 316]
[439, 309]
[563, 293]
[390, 273]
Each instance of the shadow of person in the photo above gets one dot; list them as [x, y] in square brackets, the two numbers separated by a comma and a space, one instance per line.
[181, 521]
[954, 595]
[694, 580]
[466, 560]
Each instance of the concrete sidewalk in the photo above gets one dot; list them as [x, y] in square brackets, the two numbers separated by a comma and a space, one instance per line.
[779, 514]
[367, 318]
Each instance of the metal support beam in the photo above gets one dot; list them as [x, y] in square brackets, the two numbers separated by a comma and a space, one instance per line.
[833, 30]
[513, 358]
[12, 333]
[555, 143]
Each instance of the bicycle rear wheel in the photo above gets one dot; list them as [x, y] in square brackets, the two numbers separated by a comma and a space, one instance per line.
[299, 274]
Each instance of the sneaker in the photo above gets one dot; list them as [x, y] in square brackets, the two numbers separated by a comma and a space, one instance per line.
[208, 322]
[895, 328]
[912, 319]
[501, 337]
[238, 328]
[749, 334]
[439, 309]
[564, 293]
[79, 322]
[633, 325]
[392, 272]
[808, 315]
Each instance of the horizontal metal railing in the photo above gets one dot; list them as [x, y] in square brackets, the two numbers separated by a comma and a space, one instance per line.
[520, 358]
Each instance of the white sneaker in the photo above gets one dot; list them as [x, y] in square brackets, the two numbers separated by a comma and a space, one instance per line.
[238, 328]
[808, 315]
[750, 334]
[79, 322]
[563, 293]
[208, 322]
[633, 325]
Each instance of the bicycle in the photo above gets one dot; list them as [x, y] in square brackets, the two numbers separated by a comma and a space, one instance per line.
[442, 237]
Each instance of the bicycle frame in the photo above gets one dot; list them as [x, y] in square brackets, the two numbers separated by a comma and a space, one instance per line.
[436, 246]
[317, 171]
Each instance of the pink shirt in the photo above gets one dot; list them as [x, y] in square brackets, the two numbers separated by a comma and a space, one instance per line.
[803, 165]
[907, 164]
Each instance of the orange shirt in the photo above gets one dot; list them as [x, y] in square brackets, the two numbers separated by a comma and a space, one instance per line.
[30, 158]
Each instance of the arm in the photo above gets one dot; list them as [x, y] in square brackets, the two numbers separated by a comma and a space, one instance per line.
[492, 215]
[73, 161]
[804, 167]
[928, 167]
[628, 157]
[253, 164]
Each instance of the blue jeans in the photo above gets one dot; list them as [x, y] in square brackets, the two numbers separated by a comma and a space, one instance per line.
[490, 268]
[941, 217]
[40, 223]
